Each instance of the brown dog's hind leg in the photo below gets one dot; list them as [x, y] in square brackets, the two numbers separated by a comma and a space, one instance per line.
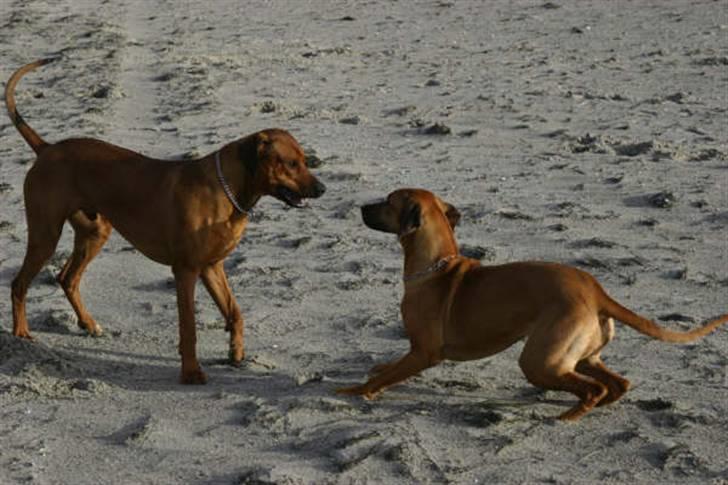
[185, 280]
[40, 248]
[34, 260]
[217, 285]
[90, 237]
[617, 385]
[44, 231]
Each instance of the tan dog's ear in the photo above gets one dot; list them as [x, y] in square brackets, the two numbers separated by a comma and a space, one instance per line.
[452, 214]
[410, 219]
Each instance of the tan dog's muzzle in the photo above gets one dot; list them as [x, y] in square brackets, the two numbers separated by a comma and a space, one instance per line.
[374, 216]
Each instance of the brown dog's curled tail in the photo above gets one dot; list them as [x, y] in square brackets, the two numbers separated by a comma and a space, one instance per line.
[613, 309]
[34, 140]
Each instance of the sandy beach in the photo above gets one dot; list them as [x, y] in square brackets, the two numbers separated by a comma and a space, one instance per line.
[589, 133]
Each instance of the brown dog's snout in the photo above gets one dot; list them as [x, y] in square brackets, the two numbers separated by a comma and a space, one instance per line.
[312, 190]
[318, 189]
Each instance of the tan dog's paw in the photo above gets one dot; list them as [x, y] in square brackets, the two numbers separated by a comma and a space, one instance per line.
[574, 413]
[361, 390]
[193, 377]
[349, 391]
[617, 389]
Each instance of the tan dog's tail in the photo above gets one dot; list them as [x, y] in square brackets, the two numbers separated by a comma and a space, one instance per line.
[34, 140]
[613, 309]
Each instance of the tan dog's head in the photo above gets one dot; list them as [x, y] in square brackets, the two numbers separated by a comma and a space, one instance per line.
[404, 211]
[278, 167]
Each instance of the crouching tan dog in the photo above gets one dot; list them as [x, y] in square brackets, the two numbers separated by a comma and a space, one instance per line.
[454, 308]
[185, 214]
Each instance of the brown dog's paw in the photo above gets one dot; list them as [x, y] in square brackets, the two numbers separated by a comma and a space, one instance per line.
[193, 377]
[236, 357]
[92, 328]
[23, 334]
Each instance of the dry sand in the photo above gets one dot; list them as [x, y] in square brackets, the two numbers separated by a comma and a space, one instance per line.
[590, 132]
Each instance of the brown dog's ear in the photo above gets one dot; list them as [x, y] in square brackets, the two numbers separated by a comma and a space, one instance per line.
[263, 141]
[410, 219]
[252, 148]
[452, 214]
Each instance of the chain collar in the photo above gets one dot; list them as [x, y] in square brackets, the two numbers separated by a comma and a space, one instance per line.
[226, 187]
[436, 266]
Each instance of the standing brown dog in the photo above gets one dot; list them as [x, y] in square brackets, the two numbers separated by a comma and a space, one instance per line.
[185, 214]
[454, 308]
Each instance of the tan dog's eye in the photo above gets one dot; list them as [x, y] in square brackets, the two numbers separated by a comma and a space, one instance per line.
[292, 164]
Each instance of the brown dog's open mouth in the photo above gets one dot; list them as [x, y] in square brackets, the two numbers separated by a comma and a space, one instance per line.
[289, 197]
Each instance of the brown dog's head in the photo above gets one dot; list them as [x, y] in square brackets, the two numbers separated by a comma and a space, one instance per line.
[405, 210]
[278, 166]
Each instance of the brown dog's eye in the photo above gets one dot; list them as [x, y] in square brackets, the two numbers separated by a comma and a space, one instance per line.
[292, 164]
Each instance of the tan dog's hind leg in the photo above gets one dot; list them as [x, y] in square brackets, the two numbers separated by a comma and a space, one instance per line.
[616, 384]
[90, 237]
[217, 285]
[593, 366]
[552, 352]
[589, 390]
[185, 280]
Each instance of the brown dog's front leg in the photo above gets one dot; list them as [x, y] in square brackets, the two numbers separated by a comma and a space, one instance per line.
[411, 364]
[217, 285]
[185, 280]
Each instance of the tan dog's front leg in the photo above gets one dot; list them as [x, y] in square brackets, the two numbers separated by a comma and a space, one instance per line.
[217, 285]
[379, 368]
[185, 280]
[411, 364]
